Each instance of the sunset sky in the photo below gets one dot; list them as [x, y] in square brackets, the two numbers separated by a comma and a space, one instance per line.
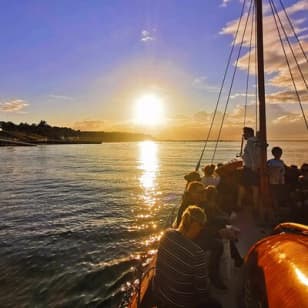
[86, 64]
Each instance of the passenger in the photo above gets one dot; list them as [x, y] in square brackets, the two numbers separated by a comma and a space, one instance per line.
[210, 177]
[194, 194]
[251, 165]
[276, 172]
[191, 177]
[276, 167]
[210, 238]
[292, 185]
[228, 190]
[181, 278]
[291, 177]
[302, 196]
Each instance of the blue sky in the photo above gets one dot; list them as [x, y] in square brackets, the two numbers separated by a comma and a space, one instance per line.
[82, 63]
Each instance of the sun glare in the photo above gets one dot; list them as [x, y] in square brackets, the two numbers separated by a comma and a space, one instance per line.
[149, 110]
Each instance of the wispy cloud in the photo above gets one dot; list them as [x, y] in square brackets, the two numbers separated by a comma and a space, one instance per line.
[288, 97]
[201, 83]
[275, 62]
[60, 97]
[147, 36]
[224, 3]
[282, 124]
[13, 106]
[235, 95]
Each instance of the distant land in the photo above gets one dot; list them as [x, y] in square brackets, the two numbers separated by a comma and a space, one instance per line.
[43, 133]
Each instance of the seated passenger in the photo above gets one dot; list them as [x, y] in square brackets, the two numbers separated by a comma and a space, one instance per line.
[194, 194]
[210, 238]
[302, 195]
[191, 177]
[181, 278]
[210, 177]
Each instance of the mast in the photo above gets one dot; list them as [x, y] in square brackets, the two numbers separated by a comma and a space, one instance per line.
[264, 186]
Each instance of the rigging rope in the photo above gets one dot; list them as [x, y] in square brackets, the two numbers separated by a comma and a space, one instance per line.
[284, 51]
[290, 45]
[292, 27]
[232, 80]
[248, 74]
[256, 75]
[222, 85]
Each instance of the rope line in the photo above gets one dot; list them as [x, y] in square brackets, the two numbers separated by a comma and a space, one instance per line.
[248, 68]
[293, 29]
[230, 89]
[290, 45]
[221, 88]
[298, 97]
[256, 76]
[248, 75]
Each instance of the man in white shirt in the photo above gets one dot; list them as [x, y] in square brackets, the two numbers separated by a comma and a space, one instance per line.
[251, 163]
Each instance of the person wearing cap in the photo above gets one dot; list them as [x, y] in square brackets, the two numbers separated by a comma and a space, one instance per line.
[181, 278]
[191, 177]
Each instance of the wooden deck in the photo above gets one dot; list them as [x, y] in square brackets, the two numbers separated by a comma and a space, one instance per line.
[250, 233]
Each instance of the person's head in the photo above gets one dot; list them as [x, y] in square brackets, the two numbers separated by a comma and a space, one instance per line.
[304, 170]
[192, 221]
[208, 169]
[192, 176]
[195, 192]
[248, 132]
[211, 193]
[277, 152]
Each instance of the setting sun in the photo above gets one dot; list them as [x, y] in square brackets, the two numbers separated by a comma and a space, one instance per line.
[149, 110]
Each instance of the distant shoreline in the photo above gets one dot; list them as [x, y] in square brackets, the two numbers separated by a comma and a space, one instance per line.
[8, 143]
[193, 140]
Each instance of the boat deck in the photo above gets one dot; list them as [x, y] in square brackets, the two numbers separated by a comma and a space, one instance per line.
[250, 233]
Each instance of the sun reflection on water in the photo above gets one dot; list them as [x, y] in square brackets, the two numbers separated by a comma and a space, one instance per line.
[148, 164]
[148, 201]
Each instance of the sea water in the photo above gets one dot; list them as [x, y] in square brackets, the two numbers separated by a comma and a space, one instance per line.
[74, 218]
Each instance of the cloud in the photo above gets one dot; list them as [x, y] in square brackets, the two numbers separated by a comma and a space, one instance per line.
[235, 95]
[13, 105]
[288, 97]
[282, 124]
[201, 83]
[287, 119]
[276, 68]
[147, 36]
[224, 3]
[89, 125]
[60, 97]
[298, 6]
[179, 117]
[202, 116]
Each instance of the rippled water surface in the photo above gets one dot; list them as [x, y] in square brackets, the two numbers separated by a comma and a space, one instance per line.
[73, 217]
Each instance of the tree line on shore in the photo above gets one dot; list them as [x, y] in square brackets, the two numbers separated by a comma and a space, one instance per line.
[45, 133]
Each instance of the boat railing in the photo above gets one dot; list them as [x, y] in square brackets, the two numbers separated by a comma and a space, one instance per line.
[290, 227]
[145, 272]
